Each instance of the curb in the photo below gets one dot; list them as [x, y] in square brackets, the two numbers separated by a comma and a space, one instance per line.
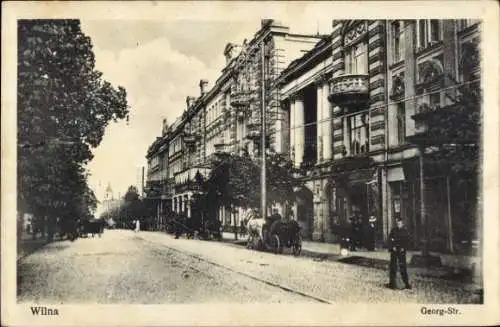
[334, 257]
[36, 246]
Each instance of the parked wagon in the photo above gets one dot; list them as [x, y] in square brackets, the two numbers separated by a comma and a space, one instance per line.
[264, 234]
[93, 227]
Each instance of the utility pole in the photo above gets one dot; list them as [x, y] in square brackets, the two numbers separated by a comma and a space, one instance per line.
[263, 136]
[423, 221]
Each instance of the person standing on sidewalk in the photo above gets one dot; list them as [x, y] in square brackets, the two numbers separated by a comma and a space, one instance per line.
[370, 233]
[398, 243]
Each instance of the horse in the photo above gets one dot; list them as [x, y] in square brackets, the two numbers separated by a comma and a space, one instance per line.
[255, 226]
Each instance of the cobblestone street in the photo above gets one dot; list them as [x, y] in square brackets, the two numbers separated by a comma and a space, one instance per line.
[155, 268]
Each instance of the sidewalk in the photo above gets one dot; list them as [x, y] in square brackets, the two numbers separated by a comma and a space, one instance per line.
[459, 268]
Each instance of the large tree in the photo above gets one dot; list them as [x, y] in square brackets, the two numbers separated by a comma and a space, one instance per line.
[64, 106]
[454, 132]
[234, 180]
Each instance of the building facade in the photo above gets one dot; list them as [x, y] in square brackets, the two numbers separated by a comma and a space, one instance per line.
[342, 106]
[224, 118]
[351, 103]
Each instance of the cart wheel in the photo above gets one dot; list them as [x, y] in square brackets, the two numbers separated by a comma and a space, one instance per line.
[297, 247]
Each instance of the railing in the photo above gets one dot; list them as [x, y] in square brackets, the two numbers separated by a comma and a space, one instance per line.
[190, 138]
[349, 89]
[189, 174]
[240, 98]
[254, 131]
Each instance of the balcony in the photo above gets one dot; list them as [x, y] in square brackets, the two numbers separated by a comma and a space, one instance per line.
[350, 91]
[189, 175]
[190, 139]
[220, 145]
[240, 99]
[254, 131]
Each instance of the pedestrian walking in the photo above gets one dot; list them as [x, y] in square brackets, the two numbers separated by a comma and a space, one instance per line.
[398, 243]
[137, 225]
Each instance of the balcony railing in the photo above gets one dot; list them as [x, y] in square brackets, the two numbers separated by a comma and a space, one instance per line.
[349, 90]
[220, 146]
[240, 98]
[254, 131]
[190, 174]
[190, 138]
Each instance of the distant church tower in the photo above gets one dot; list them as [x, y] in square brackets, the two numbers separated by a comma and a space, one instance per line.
[108, 195]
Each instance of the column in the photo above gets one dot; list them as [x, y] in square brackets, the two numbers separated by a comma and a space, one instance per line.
[292, 129]
[327, 125]
[320, 123]
[278, 136]
[347, 137]
[299, 130]
[188, 204]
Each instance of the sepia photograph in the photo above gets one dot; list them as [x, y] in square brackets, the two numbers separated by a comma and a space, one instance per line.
[268, 159]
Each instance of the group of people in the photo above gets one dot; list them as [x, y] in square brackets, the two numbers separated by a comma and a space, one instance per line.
[362, 232]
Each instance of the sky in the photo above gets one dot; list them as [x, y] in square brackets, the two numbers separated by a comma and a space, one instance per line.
[159, 63]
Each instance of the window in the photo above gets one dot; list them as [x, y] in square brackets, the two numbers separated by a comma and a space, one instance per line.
[359, 134]
[465, 23]
[435, 30]
[398, 41]
[357, 59]
[401, 121]
[435, 99]
[422, 33]
[428, 31]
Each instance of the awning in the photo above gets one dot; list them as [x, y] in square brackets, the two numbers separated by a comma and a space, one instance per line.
[395, 174]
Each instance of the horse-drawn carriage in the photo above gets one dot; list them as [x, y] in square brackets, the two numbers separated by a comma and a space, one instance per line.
[273, 235]
[92, 226]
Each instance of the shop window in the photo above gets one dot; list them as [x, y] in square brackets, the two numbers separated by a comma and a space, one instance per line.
[356, 59]
[397, 41]
[359, 134]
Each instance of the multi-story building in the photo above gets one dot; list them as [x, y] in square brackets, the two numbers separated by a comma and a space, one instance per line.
[344, 107]
[351, 102]
[227, 117]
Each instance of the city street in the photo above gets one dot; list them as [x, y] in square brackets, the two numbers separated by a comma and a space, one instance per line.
[155, 268]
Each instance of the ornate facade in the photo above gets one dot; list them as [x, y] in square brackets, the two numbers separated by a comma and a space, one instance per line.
[352, 101]
[225, 117]
[344, 111]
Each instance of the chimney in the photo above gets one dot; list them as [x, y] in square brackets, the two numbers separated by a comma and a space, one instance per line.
[229, 52]
[203, 86]
[189, 101]
[164, 127]
[265, 22]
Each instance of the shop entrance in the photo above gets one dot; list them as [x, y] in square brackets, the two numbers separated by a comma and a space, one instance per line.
[305, 211]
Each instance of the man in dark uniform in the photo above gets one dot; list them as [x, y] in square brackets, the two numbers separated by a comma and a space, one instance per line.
[398, 243]
[369, 234]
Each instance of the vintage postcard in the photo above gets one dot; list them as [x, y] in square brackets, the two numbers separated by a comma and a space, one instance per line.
[250, 163]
